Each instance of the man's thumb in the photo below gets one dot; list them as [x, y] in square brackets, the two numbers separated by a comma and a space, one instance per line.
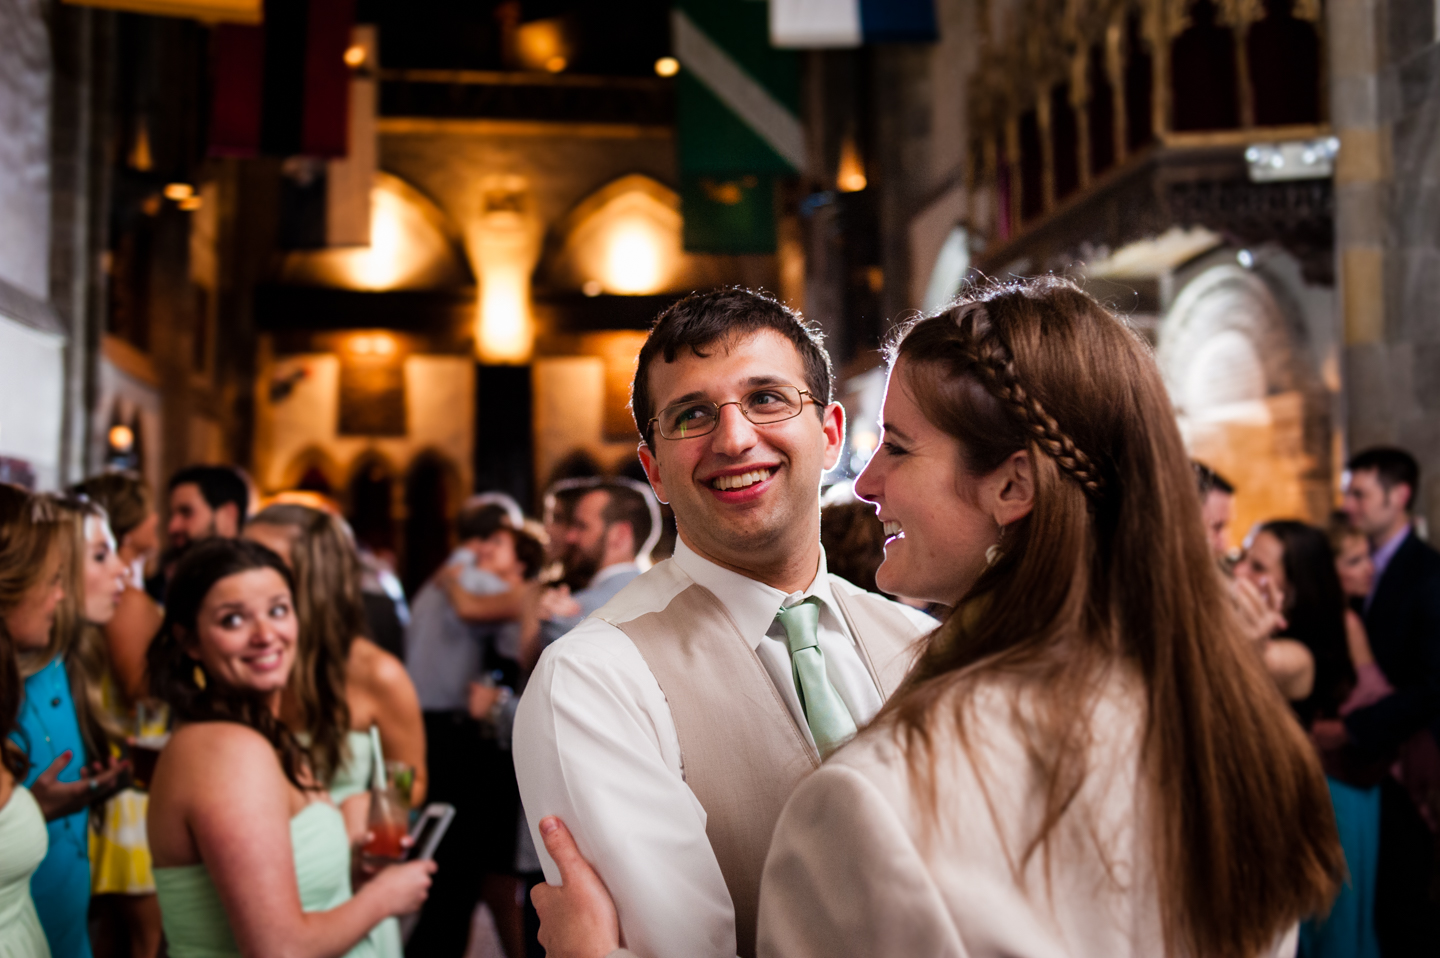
[561, 846]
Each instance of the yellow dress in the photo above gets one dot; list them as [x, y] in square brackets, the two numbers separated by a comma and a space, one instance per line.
[120, 850]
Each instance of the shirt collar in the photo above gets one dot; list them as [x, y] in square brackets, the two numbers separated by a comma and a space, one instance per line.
[1385, 552]
[610, 571]
[750, 602]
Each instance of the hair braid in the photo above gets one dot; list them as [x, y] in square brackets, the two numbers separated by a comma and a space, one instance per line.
[991, 360]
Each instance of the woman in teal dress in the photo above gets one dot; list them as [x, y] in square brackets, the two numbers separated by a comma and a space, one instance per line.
[251, 856]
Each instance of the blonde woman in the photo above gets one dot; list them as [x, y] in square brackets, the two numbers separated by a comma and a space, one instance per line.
[123, 908]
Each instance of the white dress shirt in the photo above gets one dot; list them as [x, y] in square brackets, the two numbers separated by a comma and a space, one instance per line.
[595, 744]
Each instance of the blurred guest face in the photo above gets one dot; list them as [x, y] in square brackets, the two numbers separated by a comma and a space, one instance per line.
[496, 555]
[191, 518]
[1264, 565]
[585, 535]
[1374, 510]
[30, 621]
[1355, 567]
[746, 496]
[1216, 512]
[246, 631]
[273, 537]
[104, 573]
[935, 532]
[142, 541]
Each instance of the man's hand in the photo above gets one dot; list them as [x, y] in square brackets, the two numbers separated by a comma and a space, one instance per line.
[58, 799]
[577, 919]
[482, 700]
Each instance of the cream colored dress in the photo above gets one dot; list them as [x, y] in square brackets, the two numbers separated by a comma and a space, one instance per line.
[23, 843]
[854, 870]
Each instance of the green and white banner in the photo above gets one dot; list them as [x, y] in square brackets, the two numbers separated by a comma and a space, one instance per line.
[738, 123]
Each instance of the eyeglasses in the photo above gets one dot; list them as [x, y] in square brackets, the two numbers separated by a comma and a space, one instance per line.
[687, 420]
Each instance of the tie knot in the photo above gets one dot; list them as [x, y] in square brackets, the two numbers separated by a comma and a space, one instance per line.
[802, 624]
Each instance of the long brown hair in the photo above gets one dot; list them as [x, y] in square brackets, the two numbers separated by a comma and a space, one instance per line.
[332, 615]
[177, 679]
[1111, 566]
[29, 539]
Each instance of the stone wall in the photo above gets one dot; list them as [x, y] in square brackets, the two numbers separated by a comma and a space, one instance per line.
[1386, 106]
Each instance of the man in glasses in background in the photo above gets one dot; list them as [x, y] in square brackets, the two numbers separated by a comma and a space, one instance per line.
[668, 729]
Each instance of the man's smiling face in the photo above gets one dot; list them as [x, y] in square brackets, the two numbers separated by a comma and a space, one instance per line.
[746, 496]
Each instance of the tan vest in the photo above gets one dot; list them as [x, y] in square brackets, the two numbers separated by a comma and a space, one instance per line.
[742, 752]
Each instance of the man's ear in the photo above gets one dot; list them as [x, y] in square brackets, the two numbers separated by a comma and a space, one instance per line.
[1405, 493]
[227, 520]
[833, 425]
[620, 538]
[652, 471]
[1012, 488]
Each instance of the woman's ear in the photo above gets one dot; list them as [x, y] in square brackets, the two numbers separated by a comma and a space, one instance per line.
[1013, 488]
[186, 641]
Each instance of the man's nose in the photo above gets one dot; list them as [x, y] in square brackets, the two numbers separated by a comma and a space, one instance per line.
[734, 434]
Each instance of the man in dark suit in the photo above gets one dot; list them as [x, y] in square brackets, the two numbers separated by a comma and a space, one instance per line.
[1402, 619]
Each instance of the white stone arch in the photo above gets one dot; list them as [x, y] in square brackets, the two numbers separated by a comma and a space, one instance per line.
[1248, 400]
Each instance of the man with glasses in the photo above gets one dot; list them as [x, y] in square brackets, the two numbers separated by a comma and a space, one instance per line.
[670, 726]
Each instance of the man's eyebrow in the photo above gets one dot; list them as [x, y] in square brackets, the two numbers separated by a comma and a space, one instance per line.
[750, 382]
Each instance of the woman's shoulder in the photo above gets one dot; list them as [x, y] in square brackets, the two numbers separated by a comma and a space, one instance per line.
[975, 737]
[225, 744]
[372, 670]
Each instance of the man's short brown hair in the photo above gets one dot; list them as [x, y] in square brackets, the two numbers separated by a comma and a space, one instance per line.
[703, 319]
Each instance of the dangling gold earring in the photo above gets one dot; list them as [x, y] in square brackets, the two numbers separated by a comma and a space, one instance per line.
[993, 554]
[199, 676]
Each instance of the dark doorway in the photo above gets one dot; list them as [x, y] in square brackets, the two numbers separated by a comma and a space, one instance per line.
[504, 446]
[427, 518]
[371, 495]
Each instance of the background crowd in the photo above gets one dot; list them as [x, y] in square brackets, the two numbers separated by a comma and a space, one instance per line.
[120, 629]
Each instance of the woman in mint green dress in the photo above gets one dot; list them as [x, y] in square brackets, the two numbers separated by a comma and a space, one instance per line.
[251, 856]
[23, 837]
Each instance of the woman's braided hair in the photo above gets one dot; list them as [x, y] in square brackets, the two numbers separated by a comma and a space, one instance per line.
[991, 360]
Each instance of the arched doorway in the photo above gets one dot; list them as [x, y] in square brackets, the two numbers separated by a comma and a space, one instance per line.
[431, 487]
[370, 497]
[1248, 395]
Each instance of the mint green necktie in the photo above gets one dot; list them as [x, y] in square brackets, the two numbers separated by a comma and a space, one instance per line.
[825, 712]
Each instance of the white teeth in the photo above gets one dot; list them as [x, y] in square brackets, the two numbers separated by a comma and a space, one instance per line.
[742, 480]
[892, 529]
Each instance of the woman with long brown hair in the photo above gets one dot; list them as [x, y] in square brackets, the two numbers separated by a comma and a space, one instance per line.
[1087, 758]
[63, 728]
[344, 683]
[251, 855]
[29, 592]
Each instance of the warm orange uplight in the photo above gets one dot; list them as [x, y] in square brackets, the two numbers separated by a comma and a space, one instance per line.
[851, 176]
[121, 438]
[179, 191]
[191, 203]
[371, 345]
[355, 56]
[667, 67]
[556, 64]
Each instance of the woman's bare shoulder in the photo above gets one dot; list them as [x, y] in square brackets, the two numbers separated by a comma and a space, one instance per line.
[228, 744]
[374, 670]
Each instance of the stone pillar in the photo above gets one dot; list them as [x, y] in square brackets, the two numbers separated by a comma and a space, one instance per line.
[1385, 107]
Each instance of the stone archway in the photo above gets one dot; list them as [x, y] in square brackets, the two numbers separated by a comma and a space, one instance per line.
[1248, 396]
